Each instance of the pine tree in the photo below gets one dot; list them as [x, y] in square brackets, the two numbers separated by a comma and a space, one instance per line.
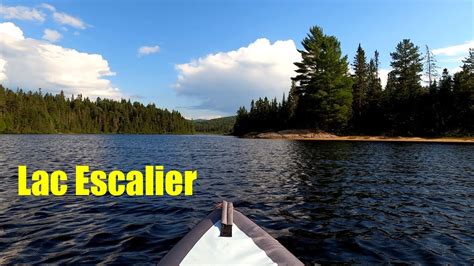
[373, 118]
[323, 83]
[463, 91]
[359, 88]
[469, 62]
[445, 101]
[292, 100]
[374, 84]
[407, 68]
[2, 109]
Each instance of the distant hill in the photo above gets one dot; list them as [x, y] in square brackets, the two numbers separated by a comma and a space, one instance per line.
[221, 125]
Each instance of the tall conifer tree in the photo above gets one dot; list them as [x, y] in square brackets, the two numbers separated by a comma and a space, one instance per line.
[323, 83]
[359, 88]
[407, 67]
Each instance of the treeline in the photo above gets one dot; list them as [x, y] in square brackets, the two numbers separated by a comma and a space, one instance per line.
[223, 125]
[35, 112]
[325, 96]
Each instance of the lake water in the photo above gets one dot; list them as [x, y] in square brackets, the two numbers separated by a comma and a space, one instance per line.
[324, 201]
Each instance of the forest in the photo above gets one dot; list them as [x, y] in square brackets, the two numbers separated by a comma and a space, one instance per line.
[326, 96]
[35, 112]
[220, 126]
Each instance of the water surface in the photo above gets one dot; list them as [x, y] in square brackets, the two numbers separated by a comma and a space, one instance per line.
[325, 201]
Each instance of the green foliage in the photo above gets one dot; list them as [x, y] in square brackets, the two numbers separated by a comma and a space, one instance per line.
[221, 125]
[33, 112]
[264, 115]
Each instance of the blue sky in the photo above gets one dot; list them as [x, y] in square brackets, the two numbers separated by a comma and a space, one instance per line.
[214, 31]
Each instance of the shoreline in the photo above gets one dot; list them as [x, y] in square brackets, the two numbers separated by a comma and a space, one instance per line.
[322, 136]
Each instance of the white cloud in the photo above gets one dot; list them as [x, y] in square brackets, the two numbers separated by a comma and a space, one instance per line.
[3, 76]
[11, 30]
[32, 64]
[452, 70]
[146, 50]
[21, 13]
[66, 19]
[451, 57]
[48, 6]
[51, 35]
[224, 81]
[383, 74]
[455, 50]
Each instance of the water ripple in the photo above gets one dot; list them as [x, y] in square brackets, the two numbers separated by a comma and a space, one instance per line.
[326, 202]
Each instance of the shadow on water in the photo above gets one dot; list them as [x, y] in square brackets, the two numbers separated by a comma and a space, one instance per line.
[325, 201]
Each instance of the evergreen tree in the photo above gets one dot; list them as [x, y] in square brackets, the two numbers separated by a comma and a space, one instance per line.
[359, 88]
[463, 90]
[323, 83]
[469, 62]
[373, 119]
[445, 101]
[241, 125]
[292, 100]
[407, 68]
[374, 84]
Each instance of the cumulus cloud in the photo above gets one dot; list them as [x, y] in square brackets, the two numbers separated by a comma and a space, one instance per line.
[224, 81]
[51, 35]
[66, 19]
[29, 63]
[146, 50]
[21, 13]
[10, 30]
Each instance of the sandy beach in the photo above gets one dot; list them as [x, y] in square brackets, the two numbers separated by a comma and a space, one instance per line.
[323, 136]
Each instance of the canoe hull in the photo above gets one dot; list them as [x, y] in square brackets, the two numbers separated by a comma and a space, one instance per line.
[249, 245]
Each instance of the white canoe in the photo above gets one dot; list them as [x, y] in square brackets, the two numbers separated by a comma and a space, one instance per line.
[227, 237]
